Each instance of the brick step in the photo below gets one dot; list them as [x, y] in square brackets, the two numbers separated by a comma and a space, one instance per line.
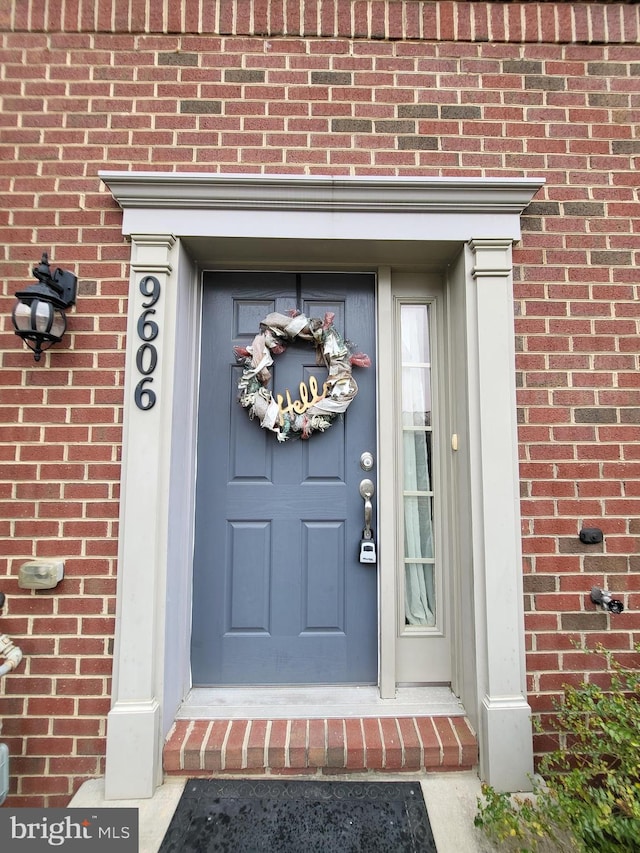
[289, 747]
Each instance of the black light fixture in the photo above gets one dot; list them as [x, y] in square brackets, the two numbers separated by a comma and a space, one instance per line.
[38, 315]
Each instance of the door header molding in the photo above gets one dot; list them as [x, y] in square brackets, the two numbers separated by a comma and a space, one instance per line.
[185, 190]
[194, 204]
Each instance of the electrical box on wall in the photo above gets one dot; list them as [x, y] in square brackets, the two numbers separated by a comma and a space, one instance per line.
[40, 574]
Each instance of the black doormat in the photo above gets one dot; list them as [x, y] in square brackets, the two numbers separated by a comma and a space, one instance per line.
[282, 816]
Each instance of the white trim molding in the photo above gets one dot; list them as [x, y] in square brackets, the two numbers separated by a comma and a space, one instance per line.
[495, 516]
[325, 208]
[166, 216]
[135, 718]
[195, 190]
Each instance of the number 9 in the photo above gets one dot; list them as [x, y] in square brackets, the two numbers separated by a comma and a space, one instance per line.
[152, 294]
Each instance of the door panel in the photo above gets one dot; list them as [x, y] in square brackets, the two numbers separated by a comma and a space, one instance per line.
[280, 596]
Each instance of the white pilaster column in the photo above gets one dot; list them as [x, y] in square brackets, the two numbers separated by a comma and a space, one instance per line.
[506, 749]
[134, 737]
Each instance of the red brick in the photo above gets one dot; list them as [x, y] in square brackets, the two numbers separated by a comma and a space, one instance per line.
[192, 745]
[393, 752]
[72, 766]
[173, 744]
[374, 755]
[354, 744]
[410, 743]
[48, 784]
[214, 744]
[430, 742]
[278, 743]
[255, 759]
[468, 741]
[317, 750]
[451, 750]
[233, 757]
[17, 726]
[298, 743]
[336, 746]
[50, 705]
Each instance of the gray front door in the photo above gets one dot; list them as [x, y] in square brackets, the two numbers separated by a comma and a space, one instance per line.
[280, 596]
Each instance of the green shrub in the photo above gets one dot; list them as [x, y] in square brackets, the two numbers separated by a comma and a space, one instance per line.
[588, 798]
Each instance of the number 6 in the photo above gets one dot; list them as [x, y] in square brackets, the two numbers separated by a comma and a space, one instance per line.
[148, 394]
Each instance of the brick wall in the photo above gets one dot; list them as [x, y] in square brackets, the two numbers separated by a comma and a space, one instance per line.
[311, 87]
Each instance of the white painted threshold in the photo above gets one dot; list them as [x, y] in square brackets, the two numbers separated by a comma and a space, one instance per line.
[321, 702]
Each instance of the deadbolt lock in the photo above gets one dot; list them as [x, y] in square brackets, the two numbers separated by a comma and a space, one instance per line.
[366, 461]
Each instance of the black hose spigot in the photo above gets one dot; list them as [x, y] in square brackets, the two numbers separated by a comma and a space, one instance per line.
[603, 598]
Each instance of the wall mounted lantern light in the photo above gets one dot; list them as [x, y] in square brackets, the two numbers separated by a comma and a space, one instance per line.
[38, 315]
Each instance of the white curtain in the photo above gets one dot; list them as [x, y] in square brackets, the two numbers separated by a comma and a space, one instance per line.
[418, 526]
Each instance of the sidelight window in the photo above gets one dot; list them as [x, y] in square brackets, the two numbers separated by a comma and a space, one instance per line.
[417, 474]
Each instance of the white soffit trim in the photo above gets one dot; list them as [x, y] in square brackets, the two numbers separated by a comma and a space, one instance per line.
[183, 190]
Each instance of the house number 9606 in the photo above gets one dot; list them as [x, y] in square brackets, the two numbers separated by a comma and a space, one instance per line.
[147, 355]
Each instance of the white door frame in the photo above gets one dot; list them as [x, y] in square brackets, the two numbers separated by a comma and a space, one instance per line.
[163, 212]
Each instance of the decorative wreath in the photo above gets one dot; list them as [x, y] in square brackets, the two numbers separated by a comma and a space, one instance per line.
[317, 407]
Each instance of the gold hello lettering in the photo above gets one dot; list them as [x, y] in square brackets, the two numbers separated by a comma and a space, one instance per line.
[299, 407]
